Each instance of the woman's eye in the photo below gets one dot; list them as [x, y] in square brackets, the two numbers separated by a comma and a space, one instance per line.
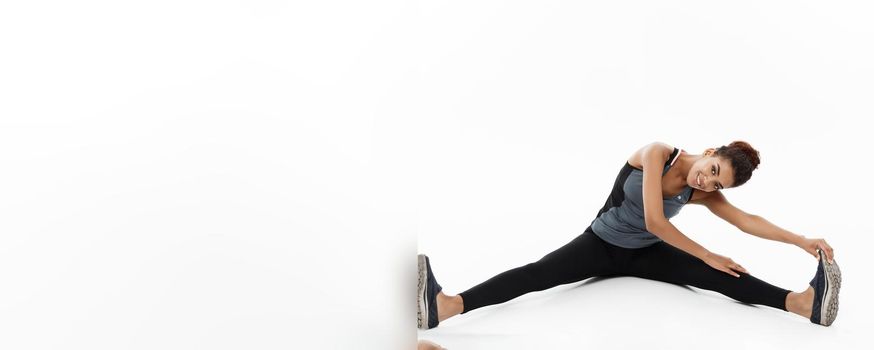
[714, 170]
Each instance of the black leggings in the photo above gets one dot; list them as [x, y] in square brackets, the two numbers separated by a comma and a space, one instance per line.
[587, 255]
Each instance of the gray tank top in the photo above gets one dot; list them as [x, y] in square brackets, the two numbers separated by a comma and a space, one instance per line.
[621, 222]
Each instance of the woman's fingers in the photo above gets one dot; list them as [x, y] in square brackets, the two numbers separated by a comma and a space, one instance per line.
[724, 264]
[827, 249]
[738, 268]
[732, 267]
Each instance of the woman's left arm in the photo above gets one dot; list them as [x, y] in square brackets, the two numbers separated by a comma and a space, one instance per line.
[759, 227]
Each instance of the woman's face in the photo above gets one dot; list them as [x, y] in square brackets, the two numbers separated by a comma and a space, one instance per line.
[711, 173]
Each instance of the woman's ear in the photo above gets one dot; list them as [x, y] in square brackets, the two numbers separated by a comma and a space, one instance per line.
[709, 151]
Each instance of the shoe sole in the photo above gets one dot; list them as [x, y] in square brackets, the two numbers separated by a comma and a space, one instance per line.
[422, 294]
[830, 298]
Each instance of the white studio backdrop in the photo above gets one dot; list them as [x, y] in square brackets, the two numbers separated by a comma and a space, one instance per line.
[205, 175]
[260, 174]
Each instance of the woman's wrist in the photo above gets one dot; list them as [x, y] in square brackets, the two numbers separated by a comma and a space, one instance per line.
[702, 254]
[797, 240]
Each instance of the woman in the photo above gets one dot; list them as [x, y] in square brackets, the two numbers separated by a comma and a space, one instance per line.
[631, 236]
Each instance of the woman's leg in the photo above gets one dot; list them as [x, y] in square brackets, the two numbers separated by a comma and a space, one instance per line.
[664, 262]
[583, 257]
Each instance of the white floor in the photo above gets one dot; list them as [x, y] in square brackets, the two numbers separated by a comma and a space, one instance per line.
[632, 313]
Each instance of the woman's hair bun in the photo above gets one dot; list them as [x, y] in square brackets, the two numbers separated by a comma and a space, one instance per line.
[744, 159]
[748, 150]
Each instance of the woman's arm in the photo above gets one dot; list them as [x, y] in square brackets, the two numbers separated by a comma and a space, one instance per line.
[760, 227]
[653, 158]
[749, 223]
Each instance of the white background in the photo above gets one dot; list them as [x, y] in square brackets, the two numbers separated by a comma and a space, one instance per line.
[257, 174]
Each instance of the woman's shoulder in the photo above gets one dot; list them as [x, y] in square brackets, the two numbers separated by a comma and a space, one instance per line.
[636, 158]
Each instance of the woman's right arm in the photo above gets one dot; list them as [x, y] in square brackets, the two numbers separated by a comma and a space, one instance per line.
[653, 158]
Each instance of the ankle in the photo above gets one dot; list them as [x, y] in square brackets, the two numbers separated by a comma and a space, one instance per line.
[800, 303]
[448, 306]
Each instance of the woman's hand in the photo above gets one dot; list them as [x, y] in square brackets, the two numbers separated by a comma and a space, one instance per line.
[724, 264]
[810, 245]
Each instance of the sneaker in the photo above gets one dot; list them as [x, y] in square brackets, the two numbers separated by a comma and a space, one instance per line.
[826, 285]
[427, 295]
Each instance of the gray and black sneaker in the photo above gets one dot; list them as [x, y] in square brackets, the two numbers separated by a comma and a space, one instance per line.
[427, 295]
[826, 286]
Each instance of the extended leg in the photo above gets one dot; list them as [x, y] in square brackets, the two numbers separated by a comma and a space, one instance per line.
[585, 256]
[664, 262]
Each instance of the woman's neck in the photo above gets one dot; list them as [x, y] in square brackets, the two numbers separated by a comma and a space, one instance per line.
[684, 163]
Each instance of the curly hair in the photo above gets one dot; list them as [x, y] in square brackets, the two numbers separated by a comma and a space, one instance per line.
[744, 159]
